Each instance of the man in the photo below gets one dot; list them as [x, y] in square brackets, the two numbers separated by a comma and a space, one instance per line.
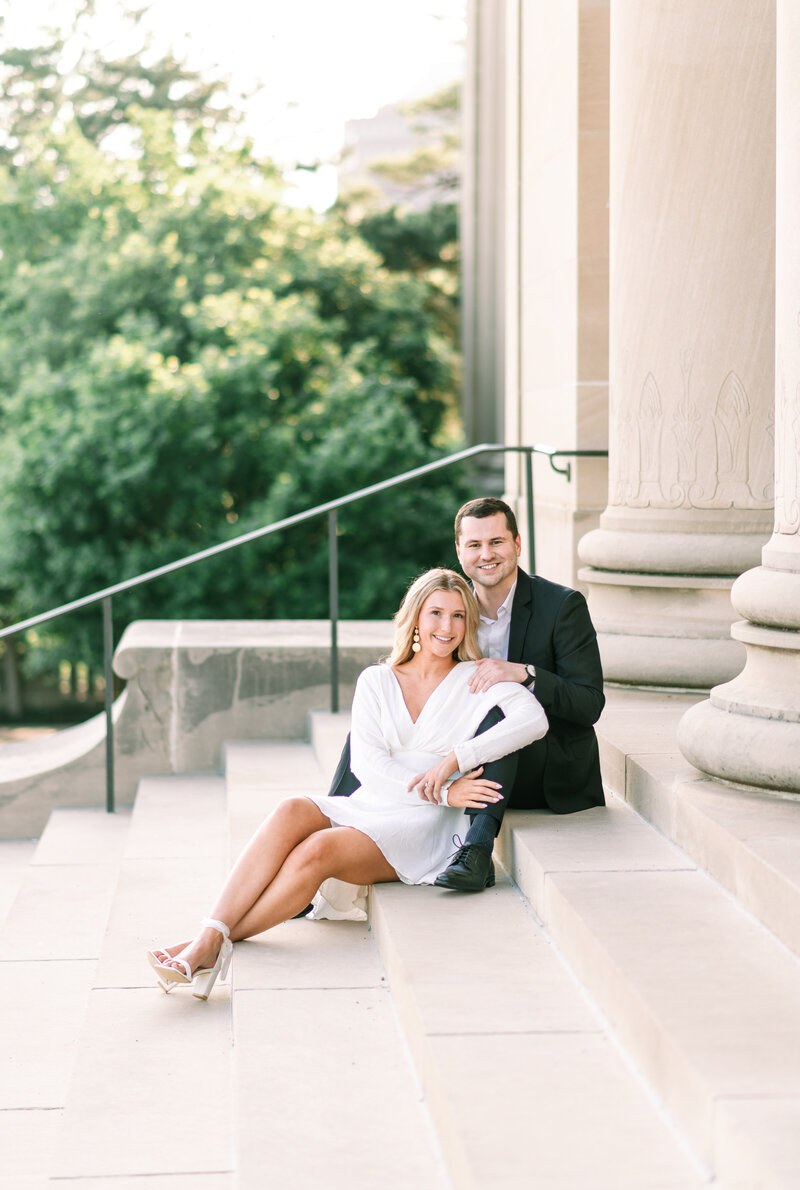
[539, 634]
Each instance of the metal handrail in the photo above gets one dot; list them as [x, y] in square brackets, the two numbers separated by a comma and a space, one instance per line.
[331, 507]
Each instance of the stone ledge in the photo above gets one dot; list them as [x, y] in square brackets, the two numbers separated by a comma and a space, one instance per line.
[748, 840]
[191, 685]
[701, 997]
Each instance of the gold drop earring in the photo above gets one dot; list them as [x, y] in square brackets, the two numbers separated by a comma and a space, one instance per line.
[415, 645]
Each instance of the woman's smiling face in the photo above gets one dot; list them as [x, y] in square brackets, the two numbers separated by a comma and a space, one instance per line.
[442, 623]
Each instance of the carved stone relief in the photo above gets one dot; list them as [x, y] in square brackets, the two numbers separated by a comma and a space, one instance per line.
[691, 456]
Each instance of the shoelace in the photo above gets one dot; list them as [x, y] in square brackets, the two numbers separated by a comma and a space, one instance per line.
[462, 850]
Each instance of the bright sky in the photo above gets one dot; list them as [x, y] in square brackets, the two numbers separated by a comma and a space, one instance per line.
[320, 62]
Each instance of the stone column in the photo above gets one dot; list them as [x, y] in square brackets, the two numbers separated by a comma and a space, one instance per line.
[749, 729]
[557, 264]
[483, 225]
[691, 335]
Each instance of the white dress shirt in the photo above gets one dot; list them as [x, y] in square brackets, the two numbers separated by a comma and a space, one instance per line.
[493, 635]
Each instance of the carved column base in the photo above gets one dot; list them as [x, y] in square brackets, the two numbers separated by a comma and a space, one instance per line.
[664, 629]
[677, 542]
[748, 731]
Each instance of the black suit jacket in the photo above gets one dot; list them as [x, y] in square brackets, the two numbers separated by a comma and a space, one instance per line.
[551, 629]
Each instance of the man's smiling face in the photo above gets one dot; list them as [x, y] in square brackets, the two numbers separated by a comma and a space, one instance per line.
[487, 551]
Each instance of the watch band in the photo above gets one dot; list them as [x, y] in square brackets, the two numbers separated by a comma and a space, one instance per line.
[531, 678]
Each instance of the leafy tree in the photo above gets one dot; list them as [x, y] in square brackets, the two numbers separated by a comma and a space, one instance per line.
[183, 357]
[68, 78]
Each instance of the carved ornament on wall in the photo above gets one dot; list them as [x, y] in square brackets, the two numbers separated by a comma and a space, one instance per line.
[691, 456]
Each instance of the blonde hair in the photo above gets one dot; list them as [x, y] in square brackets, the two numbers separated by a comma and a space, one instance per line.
[407, 615]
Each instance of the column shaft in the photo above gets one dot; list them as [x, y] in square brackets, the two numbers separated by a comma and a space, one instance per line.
[748, 731]
[691, 356]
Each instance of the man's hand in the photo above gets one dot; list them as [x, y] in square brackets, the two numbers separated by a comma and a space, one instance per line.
[490, 670]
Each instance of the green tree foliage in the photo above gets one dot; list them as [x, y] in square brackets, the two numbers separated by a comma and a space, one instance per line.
[183, 358]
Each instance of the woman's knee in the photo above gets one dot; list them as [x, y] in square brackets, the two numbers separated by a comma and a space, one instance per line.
[297, 810]
[317, 853]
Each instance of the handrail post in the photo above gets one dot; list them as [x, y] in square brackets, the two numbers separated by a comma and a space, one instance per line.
[333, 606]
[108, 654]
[529, 495]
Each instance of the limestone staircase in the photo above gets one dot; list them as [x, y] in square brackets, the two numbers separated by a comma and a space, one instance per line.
[608, 1018]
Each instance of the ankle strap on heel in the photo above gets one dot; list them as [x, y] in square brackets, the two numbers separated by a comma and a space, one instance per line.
[219, 926]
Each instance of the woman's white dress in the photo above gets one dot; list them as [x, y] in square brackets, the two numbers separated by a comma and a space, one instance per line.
[387, 749]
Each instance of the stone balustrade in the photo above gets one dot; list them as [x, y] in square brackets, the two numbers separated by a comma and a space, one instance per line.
[190, 686]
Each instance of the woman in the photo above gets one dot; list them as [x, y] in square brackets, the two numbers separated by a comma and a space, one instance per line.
[413, 723]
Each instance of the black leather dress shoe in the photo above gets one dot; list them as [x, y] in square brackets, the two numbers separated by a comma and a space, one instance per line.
[470, 870]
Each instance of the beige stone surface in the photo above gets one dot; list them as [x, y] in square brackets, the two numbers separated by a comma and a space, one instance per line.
[516, 1034]
[640, 722]
[534, 843]
[14, 858]
[328, 734]
[85, 835]
[199, 1180]
[652, 789]
[749, 842]
[309, 954]
[332, 1059]
[258, 776]
[776, 1125]
[189, 815]
[412, 924]
[701, 996]
[27, 1145]
[572, 1115]
[37, 1044]
[158, 902]
[60, 913]
[155, 1070]
[35, 1182]
[286, 766]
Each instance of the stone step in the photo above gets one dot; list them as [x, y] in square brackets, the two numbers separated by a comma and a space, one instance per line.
[15, 855]
[324, 1090]
[328, 732]
[493, 1018]
[150, 1093]
[701, 996]
[524, 1084]
[748, 841]
[49, 946]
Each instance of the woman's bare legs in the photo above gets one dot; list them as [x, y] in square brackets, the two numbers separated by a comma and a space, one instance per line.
[342, 851]
[278, 873]
[289, 823]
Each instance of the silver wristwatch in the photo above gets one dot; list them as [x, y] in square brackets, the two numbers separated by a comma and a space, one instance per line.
[531, 678]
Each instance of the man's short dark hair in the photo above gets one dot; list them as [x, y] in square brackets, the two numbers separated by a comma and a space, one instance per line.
[485, 506]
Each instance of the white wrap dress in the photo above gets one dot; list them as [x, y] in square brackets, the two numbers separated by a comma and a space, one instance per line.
[387, 749]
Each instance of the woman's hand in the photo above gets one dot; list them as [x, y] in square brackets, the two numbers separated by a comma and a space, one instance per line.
[472, 792]
[429, 784]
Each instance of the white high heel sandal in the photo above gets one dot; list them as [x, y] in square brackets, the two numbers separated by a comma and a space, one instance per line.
[204, 977]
